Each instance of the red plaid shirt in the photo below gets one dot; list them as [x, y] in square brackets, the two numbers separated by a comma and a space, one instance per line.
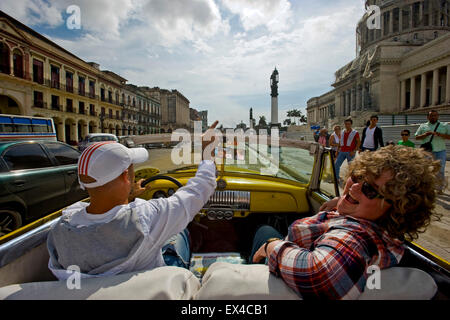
[326, 256]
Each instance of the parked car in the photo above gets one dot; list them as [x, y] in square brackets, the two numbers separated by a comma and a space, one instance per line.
[96, 137]
[127, 141]
[36, 178]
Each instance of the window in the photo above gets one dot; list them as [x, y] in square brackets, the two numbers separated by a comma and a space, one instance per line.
[55, 102]
[81, 107]
[4, 58]
[55, 77]
[69, 105]
[65, 155]
[102, 94]
[26, 156]
[69, 81]
[92, 89]
[38, 71]
[38, 99]
[327, 177]
[81, 86]
[18, 64]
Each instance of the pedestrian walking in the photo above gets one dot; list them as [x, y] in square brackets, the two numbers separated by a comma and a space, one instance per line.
[335, 139]
[372, 136]
[433, 134]
[348, 145]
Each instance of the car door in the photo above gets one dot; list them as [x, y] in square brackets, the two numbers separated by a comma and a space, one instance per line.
[67, 158]
[34, 178]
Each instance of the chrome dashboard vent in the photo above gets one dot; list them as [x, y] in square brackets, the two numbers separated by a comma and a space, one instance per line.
[235, 200]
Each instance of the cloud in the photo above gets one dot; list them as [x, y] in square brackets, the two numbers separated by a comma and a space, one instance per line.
[196, 47]
[35, 12]
[275, 15]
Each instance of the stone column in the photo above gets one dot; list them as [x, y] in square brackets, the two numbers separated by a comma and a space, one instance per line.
[347, 102]
[423, 90]
[411, 16]
[403, 95]
[421, 13]
[391, 22]
[435, 95]
[363, 97]
[447, 86]
[353, 98]
[412, 98]
[359, 107]
[400, 20]
[61, 131]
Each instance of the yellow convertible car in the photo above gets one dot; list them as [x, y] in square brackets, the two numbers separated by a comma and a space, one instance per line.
[222, 235]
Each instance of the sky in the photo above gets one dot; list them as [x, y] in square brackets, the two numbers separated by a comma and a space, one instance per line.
[219, 54]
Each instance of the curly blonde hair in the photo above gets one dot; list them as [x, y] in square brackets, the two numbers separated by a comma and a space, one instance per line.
[412, 190]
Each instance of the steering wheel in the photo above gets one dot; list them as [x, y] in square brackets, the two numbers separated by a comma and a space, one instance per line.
[161, 177]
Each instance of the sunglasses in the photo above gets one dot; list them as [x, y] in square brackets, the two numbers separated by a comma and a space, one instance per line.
[369, 191]
[405, 135]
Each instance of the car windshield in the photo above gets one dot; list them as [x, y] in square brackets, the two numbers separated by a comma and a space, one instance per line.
[293, 163]
[102, 138]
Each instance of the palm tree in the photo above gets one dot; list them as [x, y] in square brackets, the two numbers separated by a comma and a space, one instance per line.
[287, 122]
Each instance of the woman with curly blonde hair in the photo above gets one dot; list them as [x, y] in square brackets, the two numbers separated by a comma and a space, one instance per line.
[389, 197]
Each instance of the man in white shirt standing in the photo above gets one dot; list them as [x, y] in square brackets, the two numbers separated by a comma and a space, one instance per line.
[372, 136]
[116, 233]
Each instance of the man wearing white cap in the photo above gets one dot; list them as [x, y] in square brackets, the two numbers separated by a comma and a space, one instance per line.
[116, 233]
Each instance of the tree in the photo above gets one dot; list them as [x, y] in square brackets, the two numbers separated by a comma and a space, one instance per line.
[287, 122]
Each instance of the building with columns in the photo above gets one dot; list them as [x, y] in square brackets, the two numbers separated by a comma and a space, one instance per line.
[403, 67]
[40, 78]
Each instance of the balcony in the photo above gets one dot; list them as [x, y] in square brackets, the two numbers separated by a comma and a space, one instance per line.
[92, 113]
[40, 104]
[57, 107]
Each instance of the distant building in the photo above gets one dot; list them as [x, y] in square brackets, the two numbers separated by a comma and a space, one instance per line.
[40, 78]
[175, 112]
[401, 68]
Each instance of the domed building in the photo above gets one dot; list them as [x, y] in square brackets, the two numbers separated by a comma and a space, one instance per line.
[402, 65]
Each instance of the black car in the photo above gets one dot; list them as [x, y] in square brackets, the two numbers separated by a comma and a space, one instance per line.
[36, 178]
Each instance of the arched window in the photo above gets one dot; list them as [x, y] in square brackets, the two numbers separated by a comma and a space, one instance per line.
[18, 64]
[4, 58]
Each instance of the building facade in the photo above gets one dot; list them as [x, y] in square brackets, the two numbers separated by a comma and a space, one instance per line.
[175, 111]
[40, 78]
[402, 67]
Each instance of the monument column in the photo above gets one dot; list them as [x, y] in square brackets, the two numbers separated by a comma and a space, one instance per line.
[274, 79]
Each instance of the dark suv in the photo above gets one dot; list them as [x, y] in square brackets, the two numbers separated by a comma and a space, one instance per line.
[36, 179]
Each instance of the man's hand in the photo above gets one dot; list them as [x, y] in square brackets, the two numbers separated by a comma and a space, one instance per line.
[209, 138]
[137, 190]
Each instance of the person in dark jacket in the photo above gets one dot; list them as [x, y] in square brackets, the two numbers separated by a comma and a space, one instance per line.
[372, 137]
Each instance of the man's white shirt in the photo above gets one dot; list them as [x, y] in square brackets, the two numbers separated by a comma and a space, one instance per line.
[159, 218]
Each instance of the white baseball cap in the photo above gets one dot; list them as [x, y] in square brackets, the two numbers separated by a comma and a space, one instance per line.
[105, 161]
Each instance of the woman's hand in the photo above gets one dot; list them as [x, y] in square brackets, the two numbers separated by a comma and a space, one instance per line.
[329, 205]
[261, 253]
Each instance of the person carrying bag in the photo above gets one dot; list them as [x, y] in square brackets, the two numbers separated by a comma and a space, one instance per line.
[427, 146]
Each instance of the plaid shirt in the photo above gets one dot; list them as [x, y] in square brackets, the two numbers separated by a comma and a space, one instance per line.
[326, 256]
